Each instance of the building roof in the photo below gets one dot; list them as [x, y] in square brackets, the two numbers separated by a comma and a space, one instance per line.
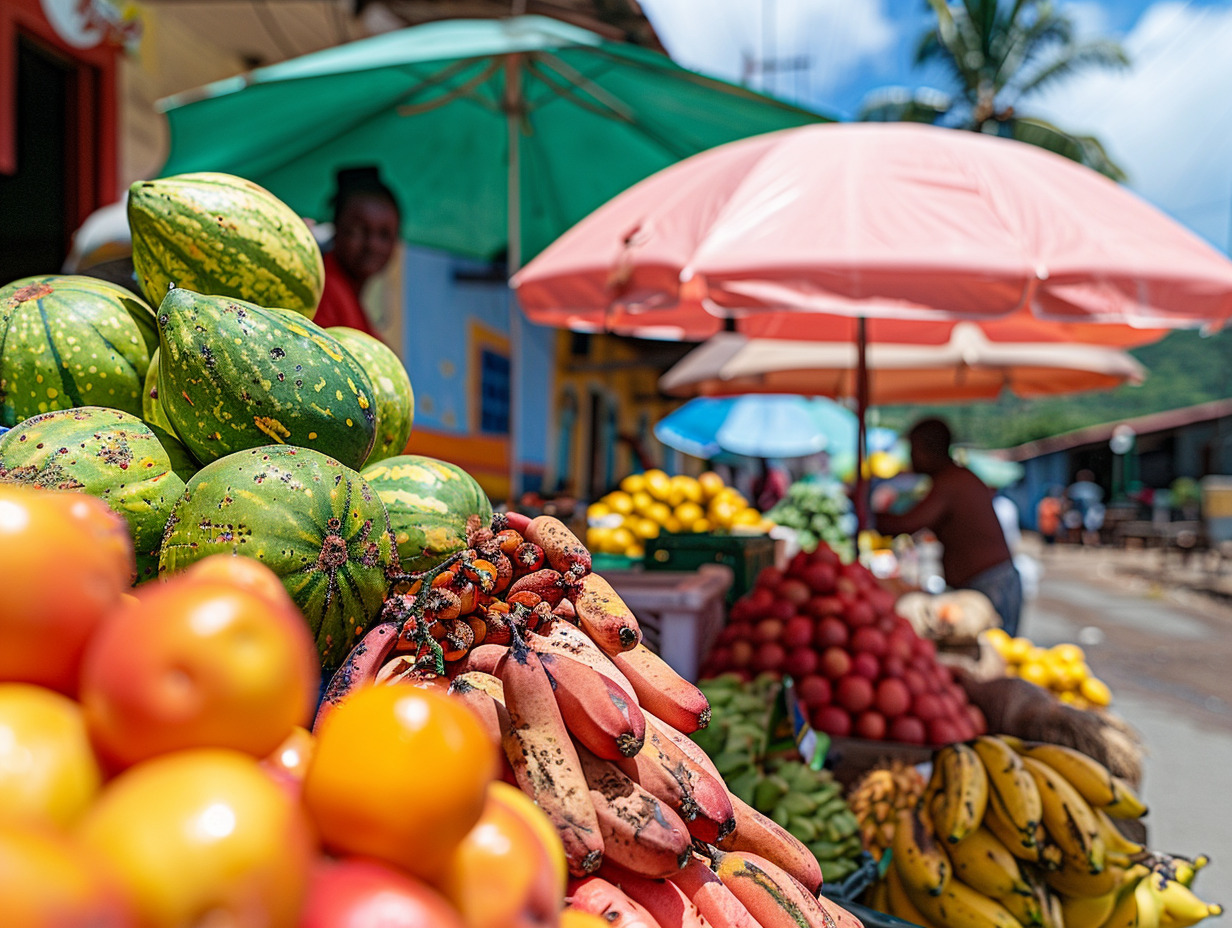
[1142, 425]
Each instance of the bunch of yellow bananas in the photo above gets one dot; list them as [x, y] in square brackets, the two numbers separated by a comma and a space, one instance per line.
[1013, 834]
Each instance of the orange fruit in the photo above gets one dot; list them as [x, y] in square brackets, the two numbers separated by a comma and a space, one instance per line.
[500, 875]
[548, 836]
[204, 831]
[48, 772]
[51, 879]
[400, 774]
[67, 559]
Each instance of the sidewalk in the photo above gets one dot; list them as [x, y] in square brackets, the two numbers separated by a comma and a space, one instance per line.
[1165, 648]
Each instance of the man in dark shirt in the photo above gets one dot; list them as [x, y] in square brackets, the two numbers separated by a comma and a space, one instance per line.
[959, 511]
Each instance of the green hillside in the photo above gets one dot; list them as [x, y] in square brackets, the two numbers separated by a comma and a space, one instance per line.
[1183, 369]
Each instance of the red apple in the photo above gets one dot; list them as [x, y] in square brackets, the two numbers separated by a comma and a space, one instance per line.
[824, 554]
[854, 693]
[871, 725]
[925, 647]
[867, 638]
[821, 606]
[719, 657]
[831, 631]
[928, 706]
[795, 591]
[769, 657]
[901, 644]
[881, 599]
[943, 731]
[759, 600]
[866, 665]
[781, 609]
[976, 714]
[820, 577]
[916, 682]
[800, 560]
[907, 729]
[769, 578]
[801, 662]
[741, 654]
[892, 667]
[832, 720]
[892, 697]
[768, 629]
[813, 690]
[835, 663]
[797, 633]
[860, 613]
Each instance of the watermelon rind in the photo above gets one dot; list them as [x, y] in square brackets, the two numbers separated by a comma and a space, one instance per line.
[391, 388]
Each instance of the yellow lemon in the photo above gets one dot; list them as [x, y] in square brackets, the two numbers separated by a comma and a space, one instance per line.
[634, 483]
[642, 501]
[710, 484]
[598, 511]
[658, 484]
[703, 525]
[1095, 691]
[688, 513]
[619, 502]
[883, 465]
[746, 516]
[660, 512]
[1036, 672]
[635, 551]
[1069, 653]
[1018, 649]
[647, 528]
[623, 538]
[685, 489]
[596, 538]
[673, 525]
[997, 639]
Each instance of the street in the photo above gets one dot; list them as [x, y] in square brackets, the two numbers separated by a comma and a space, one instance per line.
[1166, 652]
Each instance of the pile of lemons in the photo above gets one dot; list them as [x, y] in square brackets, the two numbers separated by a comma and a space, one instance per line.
[1063, 669]
[650, 503]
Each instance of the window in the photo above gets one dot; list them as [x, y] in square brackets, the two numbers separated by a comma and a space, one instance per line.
[493, 392]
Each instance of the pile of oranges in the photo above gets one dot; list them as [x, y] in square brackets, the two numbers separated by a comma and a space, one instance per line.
[648, 504]
[155, 770]
[1062, 668]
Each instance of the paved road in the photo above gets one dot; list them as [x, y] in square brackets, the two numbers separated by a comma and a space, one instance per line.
[1167, 654]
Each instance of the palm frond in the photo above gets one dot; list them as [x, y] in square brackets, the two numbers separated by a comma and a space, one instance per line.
[902, 104]
[1084, 149]
[1103, 53]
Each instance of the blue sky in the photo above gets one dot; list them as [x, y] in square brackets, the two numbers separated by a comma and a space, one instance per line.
[1167, 119]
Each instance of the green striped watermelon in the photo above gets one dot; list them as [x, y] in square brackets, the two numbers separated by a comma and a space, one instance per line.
[391, 385]
[106, 453]
[226, 236]
[430, 504]
[70, 341]
[232, 375]
[314, 522]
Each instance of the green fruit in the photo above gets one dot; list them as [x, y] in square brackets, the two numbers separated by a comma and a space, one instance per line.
[233, 376]
[69, 341]
[151, 409]
[770, 792]
[226, 236]
[432, 506]
[391, 389]
[104, 452]
[313, 521]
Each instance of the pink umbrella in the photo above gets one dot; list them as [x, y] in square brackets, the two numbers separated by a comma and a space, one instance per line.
[883, 220]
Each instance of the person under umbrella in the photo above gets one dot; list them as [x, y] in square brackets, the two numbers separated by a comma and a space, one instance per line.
[958, 509]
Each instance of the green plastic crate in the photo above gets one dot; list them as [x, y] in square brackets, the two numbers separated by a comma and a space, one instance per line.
[746, 555]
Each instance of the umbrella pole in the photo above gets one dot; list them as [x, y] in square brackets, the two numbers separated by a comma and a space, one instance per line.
[861, 488]
[513, 259]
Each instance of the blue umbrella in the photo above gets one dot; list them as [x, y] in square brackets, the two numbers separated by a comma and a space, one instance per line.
[757, 426]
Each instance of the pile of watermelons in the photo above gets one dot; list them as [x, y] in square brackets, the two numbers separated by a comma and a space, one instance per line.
[226, 420]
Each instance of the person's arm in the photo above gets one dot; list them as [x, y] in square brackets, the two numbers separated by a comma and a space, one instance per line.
[924, 514]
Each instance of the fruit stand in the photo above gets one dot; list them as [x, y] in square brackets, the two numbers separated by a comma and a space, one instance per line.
[258, 667]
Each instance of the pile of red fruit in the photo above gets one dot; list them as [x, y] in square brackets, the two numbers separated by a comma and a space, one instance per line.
[859, 667]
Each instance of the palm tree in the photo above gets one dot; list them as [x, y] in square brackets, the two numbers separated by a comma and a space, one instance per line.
[999, 52]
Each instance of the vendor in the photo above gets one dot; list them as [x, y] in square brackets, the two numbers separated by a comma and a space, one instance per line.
[959, 510]
[366, 227]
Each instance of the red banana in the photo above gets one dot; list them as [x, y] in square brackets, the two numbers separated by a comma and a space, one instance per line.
[565, 638]
[662, 690]
[599, 897]
[544, 759]
[564, 551]
[359, 668]
[597, 712]
[482, 657]
[769, 893]
[604, 616]
[664, 899]
[761, 835]
[716, 902]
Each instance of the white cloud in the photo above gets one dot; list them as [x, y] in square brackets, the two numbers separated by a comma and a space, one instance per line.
[721, 36]
[1168, 120]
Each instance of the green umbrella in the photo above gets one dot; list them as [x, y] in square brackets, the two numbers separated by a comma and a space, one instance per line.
[495, 135]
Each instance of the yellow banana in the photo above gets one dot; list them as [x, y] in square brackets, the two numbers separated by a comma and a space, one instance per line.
[918, 856]
[900, 904]
[1025, 908]
[1087, 775]
[1181, 907]
[1068, 817]
[1014, 806]
[1184, 869]
[964, 791]
[1073, 879]
[1127, 803]
[1050, 906]
[1088, 911]
[1137, 906]
[960, 906]
[986, 865]
[1119, 847]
